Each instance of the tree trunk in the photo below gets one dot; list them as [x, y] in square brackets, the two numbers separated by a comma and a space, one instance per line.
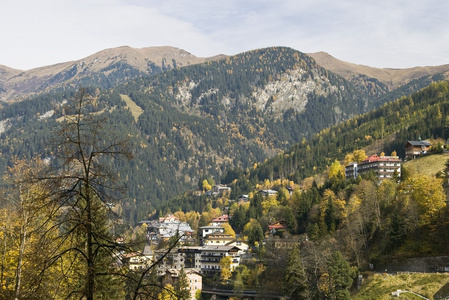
[23, 238]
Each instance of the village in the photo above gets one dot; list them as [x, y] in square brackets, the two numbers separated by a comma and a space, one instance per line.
[210, 252]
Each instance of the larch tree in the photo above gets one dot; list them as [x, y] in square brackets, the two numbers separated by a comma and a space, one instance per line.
[428, 193]
[86, 184]
[225, 268]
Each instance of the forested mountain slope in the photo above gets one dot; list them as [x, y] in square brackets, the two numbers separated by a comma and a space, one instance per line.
[386, 129]
[200, 120]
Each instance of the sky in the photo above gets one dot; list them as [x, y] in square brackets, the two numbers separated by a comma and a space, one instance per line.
[377, 33]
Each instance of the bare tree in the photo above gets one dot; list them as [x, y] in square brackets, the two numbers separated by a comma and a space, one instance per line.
[86, 184]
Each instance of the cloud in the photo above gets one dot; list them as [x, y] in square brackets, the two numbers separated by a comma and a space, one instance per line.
[381, 33]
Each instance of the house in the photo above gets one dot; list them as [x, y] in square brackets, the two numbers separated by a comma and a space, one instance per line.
[212, 255]
[383, 167]
[266, 193]
[351, 170]
[167, 228]
[220, 189]
[415, 148]
[194, 279]
[192, 256]
[244, 247]
[205, 258]
[277, 227]
[171, 260]
[243, 198]
[220, 220]
[284, 244]
[139, 260]
[217, 238]
[206, 230]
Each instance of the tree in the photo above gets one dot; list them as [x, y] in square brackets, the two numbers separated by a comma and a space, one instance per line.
[167, 293]
[181, 287]
[428, 194]
[86, 184]
[359, 155]
[198, 295]
[295, 283]
[206, 186]
[340, 276]
[27, 233]
[397, 229]
[336, 171]
[238, 284]
[253, 231]
[228, 229]
[225, 268]
[238, 219]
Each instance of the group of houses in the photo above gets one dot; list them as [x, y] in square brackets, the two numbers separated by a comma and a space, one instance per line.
[386, 167]
[195, 261]
[165, 228]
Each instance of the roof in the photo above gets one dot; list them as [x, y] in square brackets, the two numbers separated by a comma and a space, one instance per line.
[131, 254]
[235, 241]
[419, 143]
[212, 227]
[375, 157]
[268, 192]
[222, 218]
[281, 224]
[220, 248]
[175, 272]
[219, 235]
[147, 250]
[174, 226]
[169, 218]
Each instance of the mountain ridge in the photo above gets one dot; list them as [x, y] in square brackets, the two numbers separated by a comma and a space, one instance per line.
[392, 77]
[16, 85]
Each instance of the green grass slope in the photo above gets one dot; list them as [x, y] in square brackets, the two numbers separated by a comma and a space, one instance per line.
[380, 286]
[427, 165]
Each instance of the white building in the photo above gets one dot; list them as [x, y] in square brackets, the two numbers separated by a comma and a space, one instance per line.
[206, 230]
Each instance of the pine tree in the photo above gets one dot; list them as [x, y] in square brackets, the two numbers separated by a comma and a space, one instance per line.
[341, 277]
[397, 228]
[295, 283]
[181, 287]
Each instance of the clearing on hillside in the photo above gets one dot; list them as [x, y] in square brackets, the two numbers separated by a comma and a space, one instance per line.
[428, 165]
[136, 111]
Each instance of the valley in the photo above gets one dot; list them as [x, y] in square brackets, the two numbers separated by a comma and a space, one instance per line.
[133, 139]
